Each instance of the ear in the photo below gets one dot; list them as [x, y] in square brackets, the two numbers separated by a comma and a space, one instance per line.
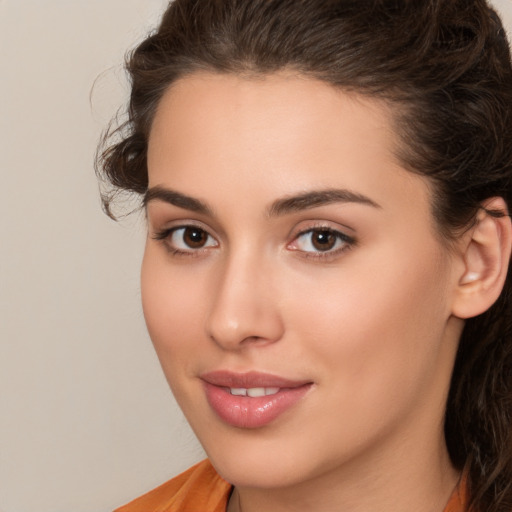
[486, 256]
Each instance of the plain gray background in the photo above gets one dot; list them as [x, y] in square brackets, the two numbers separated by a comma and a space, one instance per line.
[86, 419]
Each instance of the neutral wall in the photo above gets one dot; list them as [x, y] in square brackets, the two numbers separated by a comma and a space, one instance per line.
[86, 419]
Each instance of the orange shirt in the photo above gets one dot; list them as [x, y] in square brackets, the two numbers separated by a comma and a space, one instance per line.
[201, 489]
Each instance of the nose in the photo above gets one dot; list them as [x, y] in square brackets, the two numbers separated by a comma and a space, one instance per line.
[244, 309]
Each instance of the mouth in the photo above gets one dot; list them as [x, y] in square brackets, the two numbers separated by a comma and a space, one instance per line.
[251, 400]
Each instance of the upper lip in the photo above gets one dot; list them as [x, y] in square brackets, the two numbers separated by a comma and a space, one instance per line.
[229, 379]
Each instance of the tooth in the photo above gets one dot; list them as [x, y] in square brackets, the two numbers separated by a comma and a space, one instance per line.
[253, 392]
[256, 392]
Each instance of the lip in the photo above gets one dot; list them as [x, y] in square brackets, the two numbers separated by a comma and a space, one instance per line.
[247, 412]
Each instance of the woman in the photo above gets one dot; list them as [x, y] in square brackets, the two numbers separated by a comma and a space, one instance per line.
[327, 188]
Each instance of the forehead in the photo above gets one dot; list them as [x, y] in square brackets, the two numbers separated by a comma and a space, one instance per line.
[272, 104]
[284, 133]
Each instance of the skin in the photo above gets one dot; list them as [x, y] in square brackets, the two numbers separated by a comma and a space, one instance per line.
[369, 322]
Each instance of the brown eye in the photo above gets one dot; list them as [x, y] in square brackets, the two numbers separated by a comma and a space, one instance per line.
[195, 238]
[189, 239]
[323, 240]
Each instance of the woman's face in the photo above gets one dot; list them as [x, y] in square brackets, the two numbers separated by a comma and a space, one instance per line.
[294, 283]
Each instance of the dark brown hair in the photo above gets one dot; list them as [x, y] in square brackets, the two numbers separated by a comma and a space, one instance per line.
[444, 66]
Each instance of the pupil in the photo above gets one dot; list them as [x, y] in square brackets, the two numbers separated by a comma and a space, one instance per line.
[194, 237]
[323, 240]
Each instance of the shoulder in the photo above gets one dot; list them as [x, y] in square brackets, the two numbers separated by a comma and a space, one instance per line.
[458, 501]
[199, 489]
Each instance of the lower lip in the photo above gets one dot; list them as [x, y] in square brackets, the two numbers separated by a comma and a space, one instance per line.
[247, 412]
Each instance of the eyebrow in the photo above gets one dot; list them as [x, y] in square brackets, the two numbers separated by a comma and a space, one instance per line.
[177, 199]
[318, 198]
[305, 201]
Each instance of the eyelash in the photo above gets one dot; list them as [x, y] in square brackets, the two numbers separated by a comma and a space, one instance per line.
[165, 236]
[345, 240]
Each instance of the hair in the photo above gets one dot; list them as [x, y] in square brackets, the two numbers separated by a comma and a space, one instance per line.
[444, 67]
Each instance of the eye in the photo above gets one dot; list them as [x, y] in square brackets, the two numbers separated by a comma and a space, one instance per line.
[321, 240]
[186, 239]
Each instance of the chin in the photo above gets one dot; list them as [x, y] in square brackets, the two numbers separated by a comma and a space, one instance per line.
[249, 472]
[261, 458]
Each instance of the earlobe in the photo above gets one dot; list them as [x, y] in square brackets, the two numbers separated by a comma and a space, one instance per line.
[486, 259]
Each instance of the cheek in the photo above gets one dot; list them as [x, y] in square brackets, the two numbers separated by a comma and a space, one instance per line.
[378, 332]
[172, 308]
